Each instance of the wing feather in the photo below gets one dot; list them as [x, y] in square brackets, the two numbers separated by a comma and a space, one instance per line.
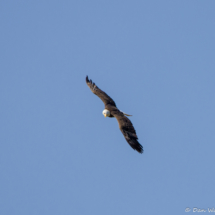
[101, 94]
[128, 130]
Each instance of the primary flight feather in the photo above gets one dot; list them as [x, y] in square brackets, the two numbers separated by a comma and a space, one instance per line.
[111, 110]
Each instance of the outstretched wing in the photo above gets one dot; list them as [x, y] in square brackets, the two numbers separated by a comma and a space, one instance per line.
[102, 95]
[128, 130]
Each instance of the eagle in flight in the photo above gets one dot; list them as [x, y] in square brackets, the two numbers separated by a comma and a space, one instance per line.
[111, 110]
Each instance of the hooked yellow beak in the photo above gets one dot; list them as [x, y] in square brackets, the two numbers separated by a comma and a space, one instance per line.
[105, 114]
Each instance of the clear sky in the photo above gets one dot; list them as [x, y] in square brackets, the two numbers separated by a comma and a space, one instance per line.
[59, 155]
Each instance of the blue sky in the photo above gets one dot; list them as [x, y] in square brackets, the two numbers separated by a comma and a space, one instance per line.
[58, 154]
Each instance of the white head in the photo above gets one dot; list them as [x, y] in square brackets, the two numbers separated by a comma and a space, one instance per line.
[106, 112]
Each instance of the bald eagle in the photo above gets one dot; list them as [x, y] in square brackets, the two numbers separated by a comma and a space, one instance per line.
[111, 110]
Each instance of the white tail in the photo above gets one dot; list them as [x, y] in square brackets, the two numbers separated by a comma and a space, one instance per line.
[126, 114]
